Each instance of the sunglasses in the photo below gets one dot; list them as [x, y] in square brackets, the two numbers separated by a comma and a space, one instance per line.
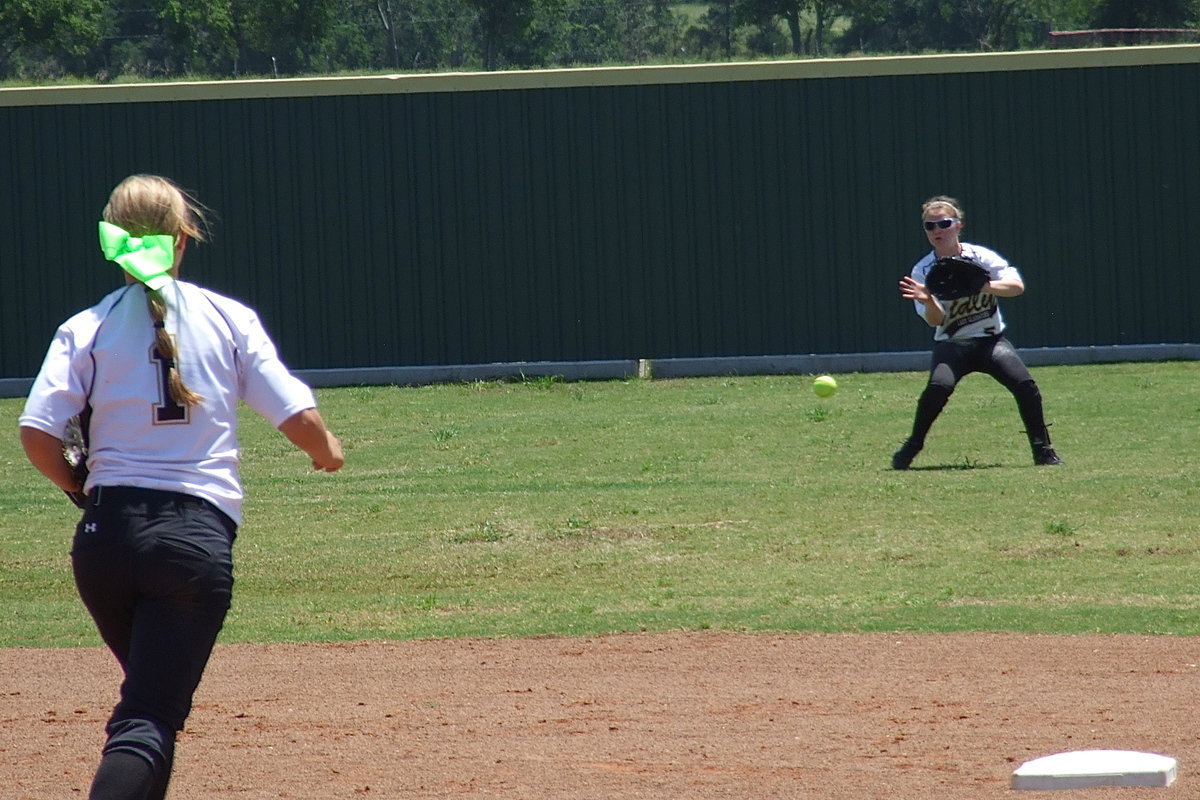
[941, 223]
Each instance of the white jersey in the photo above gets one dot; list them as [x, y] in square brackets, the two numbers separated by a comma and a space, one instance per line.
[974, 316]
[106, 357]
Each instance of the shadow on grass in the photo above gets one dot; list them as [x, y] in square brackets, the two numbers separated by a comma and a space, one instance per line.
[966, 464]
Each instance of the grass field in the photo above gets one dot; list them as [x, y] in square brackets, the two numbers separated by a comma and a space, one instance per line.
[544, 507]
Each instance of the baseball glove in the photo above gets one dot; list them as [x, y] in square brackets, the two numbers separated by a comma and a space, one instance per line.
[75, 452]
[953, 277]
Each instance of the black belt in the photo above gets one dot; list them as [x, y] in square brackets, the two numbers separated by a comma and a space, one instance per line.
[100, 495]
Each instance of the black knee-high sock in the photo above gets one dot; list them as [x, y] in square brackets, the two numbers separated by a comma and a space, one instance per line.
[122, 776]
[1029, 405]
[930, 404]
[158, 790]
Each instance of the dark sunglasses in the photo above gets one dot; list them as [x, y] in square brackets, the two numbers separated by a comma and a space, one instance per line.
[941, 223]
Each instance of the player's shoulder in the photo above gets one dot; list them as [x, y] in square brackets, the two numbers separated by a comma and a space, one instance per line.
[216, 298]
[983, 255]
[203, 298]
[924, 264]
[85, 323]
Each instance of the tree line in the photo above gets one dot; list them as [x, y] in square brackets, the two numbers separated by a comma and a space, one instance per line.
[108, 40]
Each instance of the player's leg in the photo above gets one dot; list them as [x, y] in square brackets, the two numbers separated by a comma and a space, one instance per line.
[189, 573]
[103, 561]
[182, 559]
[121, 776]
[1007, 367]
[949, 365]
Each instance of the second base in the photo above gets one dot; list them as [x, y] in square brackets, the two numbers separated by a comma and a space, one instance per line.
[1083, 769]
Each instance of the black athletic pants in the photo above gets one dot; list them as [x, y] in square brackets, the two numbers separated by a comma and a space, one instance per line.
[155, 571]
[994, 355]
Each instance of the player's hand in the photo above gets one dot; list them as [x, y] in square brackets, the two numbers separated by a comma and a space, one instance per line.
[333, 460]
[307, 430]
[910, 289]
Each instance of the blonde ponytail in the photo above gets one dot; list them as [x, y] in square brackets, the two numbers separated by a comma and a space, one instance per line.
[165, 344]
[145, 205]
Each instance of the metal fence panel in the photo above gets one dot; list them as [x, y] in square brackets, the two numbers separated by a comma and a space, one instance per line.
[593, 215]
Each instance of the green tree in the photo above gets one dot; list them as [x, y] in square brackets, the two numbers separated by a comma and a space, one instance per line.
[657, 32]
[991, 24]
[605, 31]
[164, 38]
[420, 34]
[793, 13]
[1146, 14]
[716, 36]
[503, 25]
[913, 26]
[201, 32]
[356, 40]
[281, 36]
[1063, 15]
[49, 37]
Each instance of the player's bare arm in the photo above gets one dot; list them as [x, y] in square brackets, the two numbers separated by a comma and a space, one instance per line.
[911, 289]
[45, 452]
[1006, 288]
[307, 431]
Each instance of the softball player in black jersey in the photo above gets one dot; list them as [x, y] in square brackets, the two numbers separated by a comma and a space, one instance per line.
[968, 334]
[162, 364]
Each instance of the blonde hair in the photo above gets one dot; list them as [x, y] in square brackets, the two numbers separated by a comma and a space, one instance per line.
[942, 200]
[145, 205]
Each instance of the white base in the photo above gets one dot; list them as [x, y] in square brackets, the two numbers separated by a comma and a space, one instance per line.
[1082, 769]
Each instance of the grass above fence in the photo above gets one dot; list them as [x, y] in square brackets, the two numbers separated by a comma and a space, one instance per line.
[747, 503]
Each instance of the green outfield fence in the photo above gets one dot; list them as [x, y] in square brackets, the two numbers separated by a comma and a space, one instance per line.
[599, 222]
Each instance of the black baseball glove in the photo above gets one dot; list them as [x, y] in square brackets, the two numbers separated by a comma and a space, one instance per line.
[953, 277]
[75, 452]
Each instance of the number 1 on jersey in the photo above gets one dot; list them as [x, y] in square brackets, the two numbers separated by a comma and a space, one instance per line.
[167, 411]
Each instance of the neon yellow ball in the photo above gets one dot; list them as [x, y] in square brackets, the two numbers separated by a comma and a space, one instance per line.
[825, 386]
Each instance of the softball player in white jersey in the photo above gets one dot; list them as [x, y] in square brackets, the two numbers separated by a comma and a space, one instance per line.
[162, 364]
[968, 335]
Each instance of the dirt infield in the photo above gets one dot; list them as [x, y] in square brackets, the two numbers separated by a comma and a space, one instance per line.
[663, 716]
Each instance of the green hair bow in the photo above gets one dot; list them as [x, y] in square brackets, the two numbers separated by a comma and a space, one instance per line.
[147, 258]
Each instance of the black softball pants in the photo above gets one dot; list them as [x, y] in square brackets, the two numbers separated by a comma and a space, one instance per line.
[155, 571]
[953, 360]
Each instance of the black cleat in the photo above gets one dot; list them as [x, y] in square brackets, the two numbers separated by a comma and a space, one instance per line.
[1043, 453]
[1046, 457]
[903, 457]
